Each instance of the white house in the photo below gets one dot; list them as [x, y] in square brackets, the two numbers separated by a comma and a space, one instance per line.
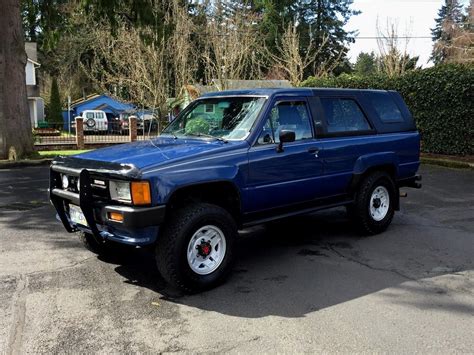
[35, 102]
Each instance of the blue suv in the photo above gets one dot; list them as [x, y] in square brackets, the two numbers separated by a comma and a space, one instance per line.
[233, 159]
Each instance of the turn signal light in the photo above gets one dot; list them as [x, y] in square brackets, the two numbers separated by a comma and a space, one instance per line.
[116, 216]
[140, 192]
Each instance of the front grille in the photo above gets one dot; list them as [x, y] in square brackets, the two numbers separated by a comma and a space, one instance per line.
[100, 192]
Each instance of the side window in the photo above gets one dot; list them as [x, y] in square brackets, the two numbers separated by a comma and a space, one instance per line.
[343, 115]
[286, 115]
[385, 107]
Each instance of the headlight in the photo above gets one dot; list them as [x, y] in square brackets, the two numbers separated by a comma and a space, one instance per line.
[78, 184]
[120, 190]
[137, 192]
[65, 181]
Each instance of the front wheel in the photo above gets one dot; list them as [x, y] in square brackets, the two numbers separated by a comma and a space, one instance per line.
[195, 250]
[373, 210]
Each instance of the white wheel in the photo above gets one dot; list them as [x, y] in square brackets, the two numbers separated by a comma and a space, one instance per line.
[379, 203]
[206, 250]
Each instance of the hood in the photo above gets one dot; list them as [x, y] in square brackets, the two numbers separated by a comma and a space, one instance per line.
[158, 151]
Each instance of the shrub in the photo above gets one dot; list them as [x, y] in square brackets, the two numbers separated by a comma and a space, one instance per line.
[440, 99]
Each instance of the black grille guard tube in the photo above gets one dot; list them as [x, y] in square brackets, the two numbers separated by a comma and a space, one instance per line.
[85, 202]
[74, 166]
[59, 204]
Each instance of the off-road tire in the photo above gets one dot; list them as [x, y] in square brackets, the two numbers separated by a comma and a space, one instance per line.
[107, 248]
[360, 211]
[91, 244]
[172, 244]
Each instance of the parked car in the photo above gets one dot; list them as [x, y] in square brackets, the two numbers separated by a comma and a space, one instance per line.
[113, 123]
[257, 156]
[146, 123]
[95, 121]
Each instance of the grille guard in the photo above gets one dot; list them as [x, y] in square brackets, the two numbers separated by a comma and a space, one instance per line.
[85, 202]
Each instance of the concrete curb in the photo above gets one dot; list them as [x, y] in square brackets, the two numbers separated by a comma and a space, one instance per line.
[447, 163]
[24, 163]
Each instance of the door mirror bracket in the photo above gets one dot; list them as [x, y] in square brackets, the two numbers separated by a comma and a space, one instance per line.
[286, 136]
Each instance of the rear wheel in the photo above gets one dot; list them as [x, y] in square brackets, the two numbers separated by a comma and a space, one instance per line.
[373, 210]
[195, 250]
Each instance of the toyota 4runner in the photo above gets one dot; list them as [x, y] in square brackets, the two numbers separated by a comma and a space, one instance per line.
[238, 158]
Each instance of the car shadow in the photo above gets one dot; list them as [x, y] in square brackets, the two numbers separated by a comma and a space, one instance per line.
[289, 269]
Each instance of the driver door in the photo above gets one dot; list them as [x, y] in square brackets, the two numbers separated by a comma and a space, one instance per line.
[279, 179]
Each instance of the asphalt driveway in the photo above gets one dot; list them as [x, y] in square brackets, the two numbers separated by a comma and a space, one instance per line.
[309, 285]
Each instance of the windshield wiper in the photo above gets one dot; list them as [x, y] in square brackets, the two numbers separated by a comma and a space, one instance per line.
[205, 135]
[170, 133]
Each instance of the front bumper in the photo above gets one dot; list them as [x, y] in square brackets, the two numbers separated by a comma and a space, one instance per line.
[140, 225]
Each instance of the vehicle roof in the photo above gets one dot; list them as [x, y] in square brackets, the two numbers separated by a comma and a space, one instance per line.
[285, 91]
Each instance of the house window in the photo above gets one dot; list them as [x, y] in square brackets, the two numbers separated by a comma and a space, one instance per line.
[209, 108]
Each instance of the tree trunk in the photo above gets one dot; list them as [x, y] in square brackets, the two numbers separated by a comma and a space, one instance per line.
[15, 126]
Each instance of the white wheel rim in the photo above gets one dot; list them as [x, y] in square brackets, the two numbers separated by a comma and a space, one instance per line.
[379, 203]
[206, 239]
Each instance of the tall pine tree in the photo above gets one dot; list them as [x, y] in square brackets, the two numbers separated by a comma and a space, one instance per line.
[54, 108]
[449, 17]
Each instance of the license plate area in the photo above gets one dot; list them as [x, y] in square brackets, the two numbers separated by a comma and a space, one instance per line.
[77, 216]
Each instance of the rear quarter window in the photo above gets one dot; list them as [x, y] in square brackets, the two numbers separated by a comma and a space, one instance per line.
[386, 107]
[343, 115]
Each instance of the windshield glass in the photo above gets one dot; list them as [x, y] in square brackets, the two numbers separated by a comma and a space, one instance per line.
[223, 118]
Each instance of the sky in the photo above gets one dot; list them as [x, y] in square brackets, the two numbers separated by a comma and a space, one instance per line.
[414, 18]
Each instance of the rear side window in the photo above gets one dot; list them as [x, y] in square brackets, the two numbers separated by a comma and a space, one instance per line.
[385, 107]
[343, 115]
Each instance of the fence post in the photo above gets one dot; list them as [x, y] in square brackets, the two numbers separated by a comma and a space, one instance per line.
[80, 133]
[132, 128]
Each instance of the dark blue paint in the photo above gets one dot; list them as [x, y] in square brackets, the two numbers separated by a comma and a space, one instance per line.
[263, 177]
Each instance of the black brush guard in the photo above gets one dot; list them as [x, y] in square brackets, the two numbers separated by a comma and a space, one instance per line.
[85, 203]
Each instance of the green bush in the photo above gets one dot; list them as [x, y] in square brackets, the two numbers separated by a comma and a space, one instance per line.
[440, 98]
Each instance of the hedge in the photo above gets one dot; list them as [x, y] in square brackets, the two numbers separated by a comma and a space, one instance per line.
[440, 98]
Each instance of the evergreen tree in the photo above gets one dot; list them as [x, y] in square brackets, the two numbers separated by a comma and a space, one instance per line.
[54, 108]
[320, 18]
[365, 64]
[449, 16]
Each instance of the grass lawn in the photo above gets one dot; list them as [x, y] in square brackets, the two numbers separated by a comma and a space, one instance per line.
[55, 153]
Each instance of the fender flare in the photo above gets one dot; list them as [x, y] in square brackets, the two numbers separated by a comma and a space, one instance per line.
[386, 161]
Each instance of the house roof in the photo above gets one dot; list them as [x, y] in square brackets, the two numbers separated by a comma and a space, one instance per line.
[101, 102]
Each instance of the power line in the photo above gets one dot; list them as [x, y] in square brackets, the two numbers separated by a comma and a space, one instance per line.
[399, 37]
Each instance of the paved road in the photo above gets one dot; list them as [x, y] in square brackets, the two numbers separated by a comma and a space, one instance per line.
[312, 285]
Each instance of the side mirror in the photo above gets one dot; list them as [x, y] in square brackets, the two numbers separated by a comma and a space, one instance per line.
[286, 136]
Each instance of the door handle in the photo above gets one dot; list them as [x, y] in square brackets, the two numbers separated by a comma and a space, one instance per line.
[314, 151]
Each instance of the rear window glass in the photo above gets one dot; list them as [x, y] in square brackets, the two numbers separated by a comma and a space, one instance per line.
[385, 107]
[89, 115]
[343, 115]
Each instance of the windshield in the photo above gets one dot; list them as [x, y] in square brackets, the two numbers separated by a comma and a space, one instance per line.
[222, 118]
